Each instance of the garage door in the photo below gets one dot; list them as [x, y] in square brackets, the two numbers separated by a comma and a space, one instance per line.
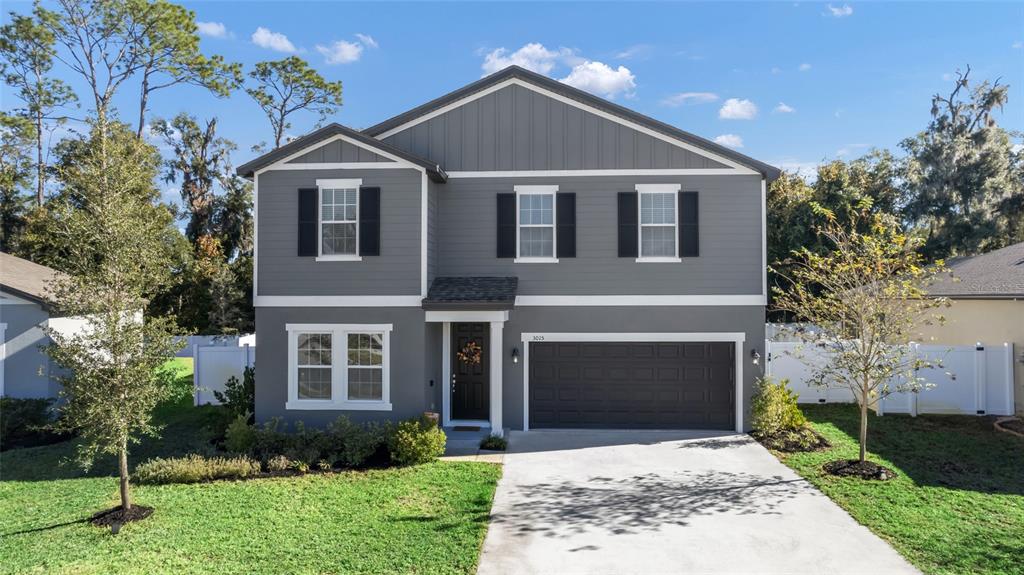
[632, 385]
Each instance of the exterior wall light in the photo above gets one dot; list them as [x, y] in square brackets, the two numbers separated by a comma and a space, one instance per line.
[755, 357]
[515, 355]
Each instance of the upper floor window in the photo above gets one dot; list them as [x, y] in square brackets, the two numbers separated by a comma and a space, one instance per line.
[339, 218]
[535, 223]
[659, 238]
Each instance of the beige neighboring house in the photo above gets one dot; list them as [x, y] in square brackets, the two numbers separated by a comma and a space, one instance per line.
[988, 306]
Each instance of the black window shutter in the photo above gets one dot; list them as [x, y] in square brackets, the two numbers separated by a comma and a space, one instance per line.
[689, 227]
[307, 221]
[369, 221]
[628, 221]
[506, 225]
[565, 227]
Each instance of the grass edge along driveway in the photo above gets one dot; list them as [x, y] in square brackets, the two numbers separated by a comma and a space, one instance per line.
[957, 505]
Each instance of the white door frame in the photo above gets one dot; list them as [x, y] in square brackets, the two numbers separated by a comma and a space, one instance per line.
[496, 320]
[739, 338]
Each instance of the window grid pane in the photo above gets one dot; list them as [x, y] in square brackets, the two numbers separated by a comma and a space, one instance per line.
[536, 225]
[314, 365]
[658, 241]
[339, 212]
[657, 208]
[366, 366]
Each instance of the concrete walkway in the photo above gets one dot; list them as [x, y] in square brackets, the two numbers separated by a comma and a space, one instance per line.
[667, 502]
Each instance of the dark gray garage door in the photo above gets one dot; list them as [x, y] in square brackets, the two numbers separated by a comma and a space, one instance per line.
[632, 385]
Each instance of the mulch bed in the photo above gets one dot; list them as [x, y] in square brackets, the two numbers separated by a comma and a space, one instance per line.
[794, 441]
[1014, 425]
[857, 468]
[114, 518]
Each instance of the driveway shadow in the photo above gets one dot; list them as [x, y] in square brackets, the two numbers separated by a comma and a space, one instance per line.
[643, 502]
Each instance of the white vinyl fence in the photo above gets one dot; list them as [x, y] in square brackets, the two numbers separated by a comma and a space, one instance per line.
[214, 365]
[191, 341]
[973, 380]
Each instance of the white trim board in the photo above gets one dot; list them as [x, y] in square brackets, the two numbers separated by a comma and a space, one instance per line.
[739, 338]
[337, 301]
[580, 173]
[640, 300]
[576, 104]
[396, 162]
[468, 316]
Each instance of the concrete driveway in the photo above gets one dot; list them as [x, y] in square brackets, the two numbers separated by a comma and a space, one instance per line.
[667, 502]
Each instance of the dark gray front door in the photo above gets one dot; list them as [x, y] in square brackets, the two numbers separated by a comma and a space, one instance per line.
[632, 385]
[470, 371]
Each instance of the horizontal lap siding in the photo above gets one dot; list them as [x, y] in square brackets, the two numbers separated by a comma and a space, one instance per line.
[730, 238]
[518, 129]
[395, 272]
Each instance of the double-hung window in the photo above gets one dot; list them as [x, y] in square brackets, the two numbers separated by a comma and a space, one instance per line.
[535, 224]
[339, 219]
[339, 366]
[659, 214]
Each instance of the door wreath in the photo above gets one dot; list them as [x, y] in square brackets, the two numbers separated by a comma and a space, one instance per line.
[470, 353]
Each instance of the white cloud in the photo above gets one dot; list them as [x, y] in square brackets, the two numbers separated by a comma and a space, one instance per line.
[729, 140]
[737, 109]
[840, 11]
[948, 77]
[367, 41]
[808, 170]
[341, 52]
[1018, 45]
[850, 149]
[601, 79]
[783, 108]
[1017, 148]
[212, 29]
[776, 70]
[275, 41]
[804, 67]
[685, 98]
[533, 56]
[637, 51]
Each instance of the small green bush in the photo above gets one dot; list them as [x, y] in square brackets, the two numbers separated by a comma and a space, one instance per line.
[416, 441]
[323, 465]
[494, 443]
[239, 397]
[195, 468]
[23, 423]
[354, 444]
[774, 408]
[300, 466]
[278, 463]
[240, 437]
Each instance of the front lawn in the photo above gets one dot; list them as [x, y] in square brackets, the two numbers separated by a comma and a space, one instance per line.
[430, 518]
[957, 504]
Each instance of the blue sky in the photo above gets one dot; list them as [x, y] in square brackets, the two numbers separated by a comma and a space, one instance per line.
[788, 83]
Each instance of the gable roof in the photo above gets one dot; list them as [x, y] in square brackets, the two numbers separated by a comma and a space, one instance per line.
[564, 90]
[998, 274]
[25, 279]
[246, 170]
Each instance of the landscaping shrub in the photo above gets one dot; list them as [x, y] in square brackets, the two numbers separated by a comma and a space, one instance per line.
[416, 441]
[23, 422]
[354, 443]
[240, 437]
[195, 468]
[494, 443]
[278, 463]
[774, 408]
[239, 397]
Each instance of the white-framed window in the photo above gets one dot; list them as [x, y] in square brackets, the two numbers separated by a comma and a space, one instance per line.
[338, 230]
[339, 366]
[536, 241]
[659, 219]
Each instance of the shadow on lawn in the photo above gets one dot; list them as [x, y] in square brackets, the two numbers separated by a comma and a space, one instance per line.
[952, 451]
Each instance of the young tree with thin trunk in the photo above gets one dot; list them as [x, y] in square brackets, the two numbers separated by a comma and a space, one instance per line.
[284, 87]
[867, 298]
[27, 49]
[110, 221]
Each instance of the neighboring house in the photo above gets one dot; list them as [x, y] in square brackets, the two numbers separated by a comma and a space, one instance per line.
[25, 310]
[988, 306]
[515, 254]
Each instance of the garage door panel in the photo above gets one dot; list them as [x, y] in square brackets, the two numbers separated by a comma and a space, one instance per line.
[632, 385]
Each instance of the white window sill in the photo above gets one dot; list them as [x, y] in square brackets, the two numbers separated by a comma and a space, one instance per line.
[315, 404]
[659, 260]
[340, 258]
[535, 260]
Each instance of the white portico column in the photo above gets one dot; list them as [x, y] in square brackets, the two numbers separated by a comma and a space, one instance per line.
[497, 354]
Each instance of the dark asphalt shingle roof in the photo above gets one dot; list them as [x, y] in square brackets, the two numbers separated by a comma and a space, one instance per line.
[769, 171]
[26, 279]
[496, 293]
[998, 274]
[247, 169]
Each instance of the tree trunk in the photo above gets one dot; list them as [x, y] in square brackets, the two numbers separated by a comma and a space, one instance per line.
[143, 102]
[863, 427]
[126, 494]
[40, 168]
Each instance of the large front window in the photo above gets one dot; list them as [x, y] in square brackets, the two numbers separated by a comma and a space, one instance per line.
[536, 223]
[659, 238]
[339, 366]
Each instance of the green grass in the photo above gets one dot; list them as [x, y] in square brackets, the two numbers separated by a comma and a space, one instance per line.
[957, 505]
[427, 519]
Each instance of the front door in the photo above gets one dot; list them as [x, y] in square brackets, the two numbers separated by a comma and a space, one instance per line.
[470, 385]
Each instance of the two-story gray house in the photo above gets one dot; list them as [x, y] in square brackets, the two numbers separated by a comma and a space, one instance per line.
[515, 254]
